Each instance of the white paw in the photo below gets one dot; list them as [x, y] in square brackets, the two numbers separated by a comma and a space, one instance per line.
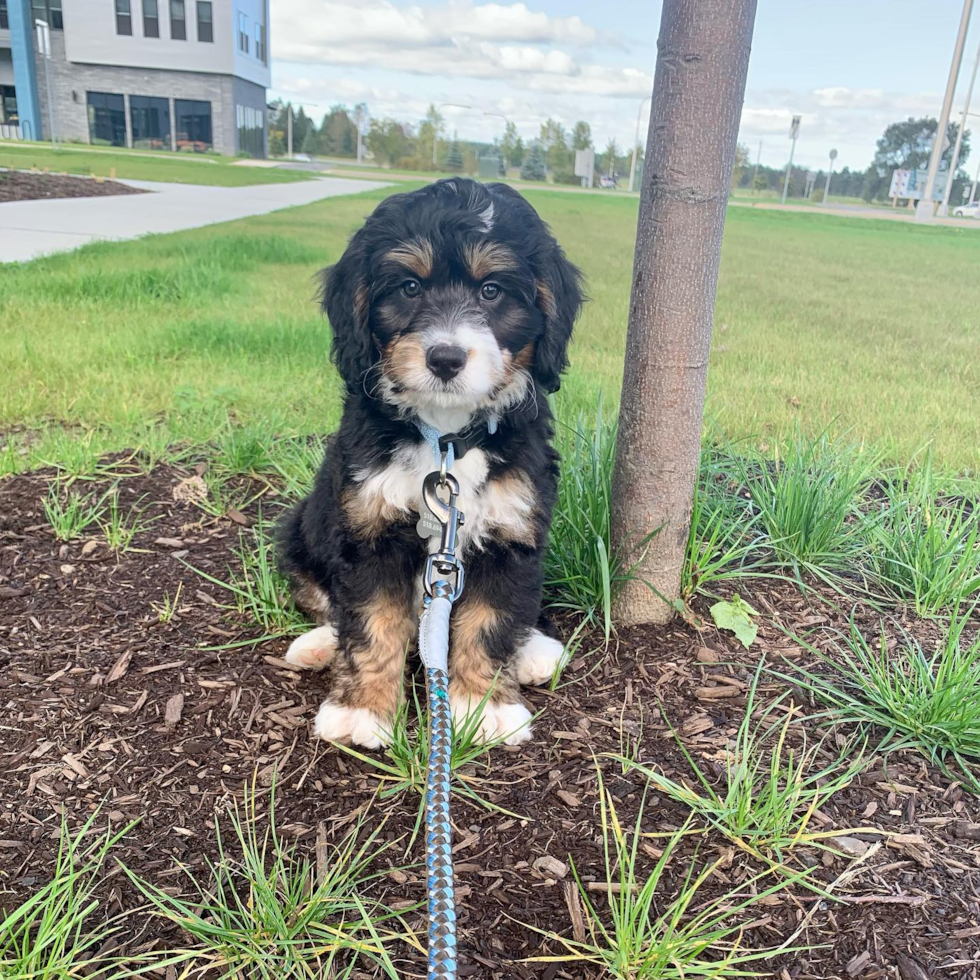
[360, 726]
[537, 658]
[313, 650]
[509, 722]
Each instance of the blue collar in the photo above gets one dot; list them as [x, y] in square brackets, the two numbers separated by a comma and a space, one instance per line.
[456, 444]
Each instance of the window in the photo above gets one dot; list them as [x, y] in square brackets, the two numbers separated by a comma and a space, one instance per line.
[124, 17]
[178, 22]
[242, 33]
[193, 125]
[151, 18]
[264, 55]
[46, 10]
[251, 130]
[205, 24]
[8, 104]
[4, 22]
[106, 117]
[150, 120]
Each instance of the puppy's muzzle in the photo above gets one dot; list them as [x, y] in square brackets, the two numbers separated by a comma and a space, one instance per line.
[445, 361]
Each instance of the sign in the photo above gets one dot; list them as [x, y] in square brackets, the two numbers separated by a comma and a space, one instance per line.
[794, 129]
[912, 184]
[585, 165]
[833, 155]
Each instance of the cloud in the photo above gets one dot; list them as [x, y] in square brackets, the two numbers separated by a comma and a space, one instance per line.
[457, 39]
[839, 97]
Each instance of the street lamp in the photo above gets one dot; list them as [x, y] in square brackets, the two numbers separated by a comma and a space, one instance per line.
[944, 207]
[923, 210]
[826, 190]
[435, 134]
[636, 141]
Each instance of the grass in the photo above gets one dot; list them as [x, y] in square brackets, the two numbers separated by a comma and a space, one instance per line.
[69, 514]
[178, 168]
[60, 930]
[925, 702]
[769, 789]
[267, 913]
[121, 526]
[639, 933]
[815, 321]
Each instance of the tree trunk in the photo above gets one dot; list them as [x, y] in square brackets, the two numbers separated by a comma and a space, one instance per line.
[699, 84]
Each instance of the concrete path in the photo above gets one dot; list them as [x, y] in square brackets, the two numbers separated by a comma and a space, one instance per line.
[29, 229]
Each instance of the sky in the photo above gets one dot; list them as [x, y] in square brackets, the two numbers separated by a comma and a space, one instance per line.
[848, 67]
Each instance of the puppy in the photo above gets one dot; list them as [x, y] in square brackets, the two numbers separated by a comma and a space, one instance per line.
[451, 310]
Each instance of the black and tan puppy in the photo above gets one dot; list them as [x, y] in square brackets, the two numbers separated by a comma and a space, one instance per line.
[451, 310]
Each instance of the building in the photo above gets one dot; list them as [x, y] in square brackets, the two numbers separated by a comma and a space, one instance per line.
[180, 75]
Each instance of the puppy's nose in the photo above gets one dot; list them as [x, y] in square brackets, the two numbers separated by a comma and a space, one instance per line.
[445, 361]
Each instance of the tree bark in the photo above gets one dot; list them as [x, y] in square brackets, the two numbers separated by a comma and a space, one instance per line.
[699, 85]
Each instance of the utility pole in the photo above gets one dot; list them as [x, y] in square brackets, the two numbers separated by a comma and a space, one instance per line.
[924, 210]
[636, 142]
[44, 46]
[826, 190]
[944, 207]
[699, 87]
[794, 131]
[755, 173]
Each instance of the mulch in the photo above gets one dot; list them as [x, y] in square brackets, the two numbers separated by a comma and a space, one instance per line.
[19, 185]
[100, 703]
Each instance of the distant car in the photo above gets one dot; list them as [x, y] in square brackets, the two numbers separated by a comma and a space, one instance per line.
[967, 210]
[302, 157]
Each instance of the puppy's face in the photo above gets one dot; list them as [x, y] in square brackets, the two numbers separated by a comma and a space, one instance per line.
[453, 297]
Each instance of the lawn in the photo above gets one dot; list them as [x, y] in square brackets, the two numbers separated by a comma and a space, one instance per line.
[785, 778]
[179, 168]
[862, 325]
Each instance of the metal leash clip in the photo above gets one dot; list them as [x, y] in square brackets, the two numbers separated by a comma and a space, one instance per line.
[443, 570]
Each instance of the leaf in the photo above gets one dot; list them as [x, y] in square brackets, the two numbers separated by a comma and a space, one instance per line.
[737, 617]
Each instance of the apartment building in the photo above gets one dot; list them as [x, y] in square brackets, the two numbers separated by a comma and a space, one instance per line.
[178, 75]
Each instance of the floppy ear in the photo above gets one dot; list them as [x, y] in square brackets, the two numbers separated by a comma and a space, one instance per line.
[559, 297]
[345, 300]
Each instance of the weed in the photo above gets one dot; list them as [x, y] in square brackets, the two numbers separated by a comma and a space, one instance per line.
[927, 703]
[270, 914]
[923, 549]
[244, 450]
[168, 608]
[121, 526]
[296, 461]
[769, 789]
[652, 929]
[70, 514]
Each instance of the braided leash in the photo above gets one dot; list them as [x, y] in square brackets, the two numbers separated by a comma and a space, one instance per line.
[443, 582]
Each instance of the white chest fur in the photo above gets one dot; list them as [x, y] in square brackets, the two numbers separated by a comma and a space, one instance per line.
[501, 506]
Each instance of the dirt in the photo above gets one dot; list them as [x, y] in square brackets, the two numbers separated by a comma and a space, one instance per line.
[89, 672]
[17, 185]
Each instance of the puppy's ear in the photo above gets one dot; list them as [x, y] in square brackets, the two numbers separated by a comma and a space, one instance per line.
[345, 299]
[559, 297]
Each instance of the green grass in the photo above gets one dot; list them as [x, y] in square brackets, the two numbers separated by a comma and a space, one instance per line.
[179, 168]
[649, 928]
[69, 513]
[817, 322]
[770, 787]
[922, 701]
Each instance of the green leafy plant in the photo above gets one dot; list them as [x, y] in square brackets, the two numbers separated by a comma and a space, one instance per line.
[924, 702]
[770, 789]
[266, 913]
[736, 615]
[651, 929]
[69, 514]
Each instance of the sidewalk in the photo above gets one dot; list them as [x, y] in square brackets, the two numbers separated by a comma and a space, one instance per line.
[29, 229]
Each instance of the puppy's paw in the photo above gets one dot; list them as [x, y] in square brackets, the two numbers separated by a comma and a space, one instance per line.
[537, 658]
[313, 650]
[508, 722]
[359, 726]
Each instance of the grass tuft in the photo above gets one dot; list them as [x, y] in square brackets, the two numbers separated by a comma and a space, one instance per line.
[69, 514]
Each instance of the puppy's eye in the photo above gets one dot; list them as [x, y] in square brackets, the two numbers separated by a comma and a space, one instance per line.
[411, 288]
[490, 291]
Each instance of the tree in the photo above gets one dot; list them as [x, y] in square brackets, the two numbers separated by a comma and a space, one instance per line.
[702, 61]
[907, 145]
[430, 130]
[518, 156]
[302, 124]
[454, 161]
[389, 140]
[511, 146]
[743, 158]
[338, 133]
[612, 151]
[533, 168]
[581, 135]
[311, 142]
